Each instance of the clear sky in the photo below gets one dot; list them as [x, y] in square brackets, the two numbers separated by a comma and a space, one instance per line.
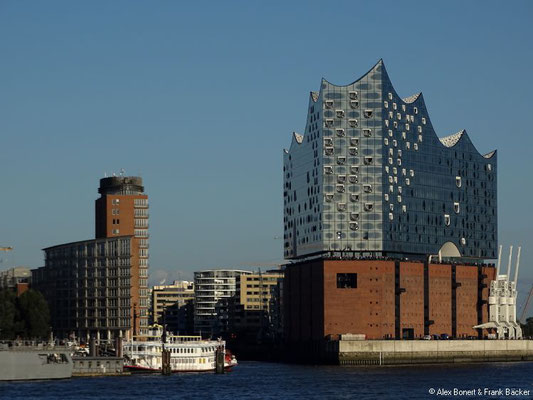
[200, 98]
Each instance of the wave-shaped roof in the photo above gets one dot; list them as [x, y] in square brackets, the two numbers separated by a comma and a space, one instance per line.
[413, 98]
[451, 140]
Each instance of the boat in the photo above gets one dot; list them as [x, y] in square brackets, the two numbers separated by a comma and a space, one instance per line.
[34, 362]
[187, 353]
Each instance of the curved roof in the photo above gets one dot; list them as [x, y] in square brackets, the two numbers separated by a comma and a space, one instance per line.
[299, 138]
[412, 99]
[314, 96]
[380, 62]
[451, 140]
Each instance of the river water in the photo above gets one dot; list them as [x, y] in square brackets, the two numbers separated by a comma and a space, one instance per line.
[258, 380]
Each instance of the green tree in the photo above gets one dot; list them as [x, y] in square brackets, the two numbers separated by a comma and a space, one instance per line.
[35, 314]
[8, 314]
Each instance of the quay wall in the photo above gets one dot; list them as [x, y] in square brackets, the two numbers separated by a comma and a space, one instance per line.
[393, 352]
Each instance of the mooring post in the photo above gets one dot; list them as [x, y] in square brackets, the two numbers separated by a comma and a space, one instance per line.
[219, 360]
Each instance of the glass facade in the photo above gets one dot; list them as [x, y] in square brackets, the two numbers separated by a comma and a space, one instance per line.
[369, 176]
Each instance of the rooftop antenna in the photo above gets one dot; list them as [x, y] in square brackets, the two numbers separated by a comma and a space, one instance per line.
[122, 171]
[105, 174]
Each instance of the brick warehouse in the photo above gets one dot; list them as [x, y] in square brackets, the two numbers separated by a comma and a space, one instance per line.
[383, 299]
[369, 185]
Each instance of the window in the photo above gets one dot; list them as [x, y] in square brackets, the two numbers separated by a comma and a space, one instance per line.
[369, 206]
[346, 281]
[354, 141]
[353, 151]
[328, 151]
[353, 95]
[456, 208]
[404, 208]
[386, 104]
[368, 160]
[341, 160]
[390, 96]
[116, 201]
[329, 103]
[354, 226]
[386, 197]
[407, 181]
[415, 109]
[368, 113]
[423, 121]
[353, 179]
[367, 132]
[354, 104]
[404, 135]
[391, 216]
[328, 142]
[341, 207]
[116, 231]
[340, 188]
[353, 123]
[328, 170]
[115, 211]
[386, 141]
[458, 181]
[394, 106]
[367, 188]
[340, 132]
[354, 169]
[354, 216]
[390, 132]
[328, 123]
[354, 198]
[420, 138]
[340, 113]
[341, 179]
[447, 219]
[329, 197]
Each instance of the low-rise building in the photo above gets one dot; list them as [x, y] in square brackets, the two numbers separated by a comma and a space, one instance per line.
[172, 305]
[16, 278]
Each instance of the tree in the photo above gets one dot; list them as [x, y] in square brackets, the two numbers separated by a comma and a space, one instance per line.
[35, 314]
[8, 314]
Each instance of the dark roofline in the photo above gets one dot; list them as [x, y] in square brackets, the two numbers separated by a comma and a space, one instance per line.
[86, 241]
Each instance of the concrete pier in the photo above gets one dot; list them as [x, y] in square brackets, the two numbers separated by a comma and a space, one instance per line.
[394, 352]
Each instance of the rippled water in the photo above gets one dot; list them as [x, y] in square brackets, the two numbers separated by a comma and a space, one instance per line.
[256, 380]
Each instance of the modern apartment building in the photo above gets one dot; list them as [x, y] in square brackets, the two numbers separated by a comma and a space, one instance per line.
[122, 209]
[369, 177]
[257, 304]
[98, 287]
[214, 290]
[88, 286]
[174, 302]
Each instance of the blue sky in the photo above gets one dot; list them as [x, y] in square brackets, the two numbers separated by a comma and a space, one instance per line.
[200, 98]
